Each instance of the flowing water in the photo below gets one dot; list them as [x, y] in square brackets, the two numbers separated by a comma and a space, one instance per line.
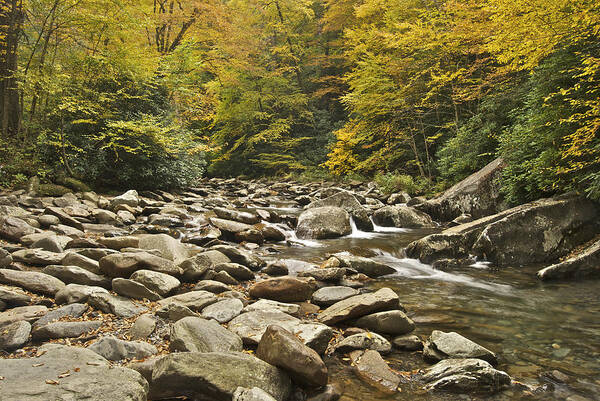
[534, 327]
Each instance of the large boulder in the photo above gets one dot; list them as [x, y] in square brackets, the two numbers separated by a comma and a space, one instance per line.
[349, 203]
[193, 334]
[536, 232]
[216, 376]
[360, 305]
[323, 223]
[465, 376]
[364, 265]
[44, 377]
[478, 195]
[13, 228]
[129, 198]
[281, 348]
[169, 247]
[402, 217]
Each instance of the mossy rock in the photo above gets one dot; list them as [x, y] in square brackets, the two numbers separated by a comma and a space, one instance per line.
[76, 185]
[52, 190]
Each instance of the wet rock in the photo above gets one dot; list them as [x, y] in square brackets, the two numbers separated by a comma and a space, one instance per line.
[124, 264]
[253, 394]
[315, 335]
[193, 334]
[14, 335]
[364, 341]
[281, 348]
[32, 281]
[13, 228]
[277, 268]
[465, 376]
[160, 283]
[270, 232]
[74, 293]
[360, 305]
[195, 267]
[38, 257]
[452, 345]
[116, 305]
[328, 296]
[402, 217]
[195, 300]
[408, 343]
[223, 311]
[584, 264]
[216, 376]
[323, 223]
[251, 235]
[74, 311]
[267, 304]
[142, 327]
[348, 202]
[114, 349]
[76, 275]
[26, 378]
[64, 330]
[330, 274]
[364, 265]
[373, 370]
[283, 289]
[389, 322]
[133, 289]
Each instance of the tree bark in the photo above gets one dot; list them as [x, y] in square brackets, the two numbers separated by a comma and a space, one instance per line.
[11, 21]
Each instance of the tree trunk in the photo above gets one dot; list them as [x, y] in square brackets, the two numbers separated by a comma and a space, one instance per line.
[11, 20]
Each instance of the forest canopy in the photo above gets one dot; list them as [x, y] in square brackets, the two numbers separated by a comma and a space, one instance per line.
[416, 93]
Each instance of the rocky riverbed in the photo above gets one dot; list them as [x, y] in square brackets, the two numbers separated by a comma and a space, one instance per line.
[238, 290]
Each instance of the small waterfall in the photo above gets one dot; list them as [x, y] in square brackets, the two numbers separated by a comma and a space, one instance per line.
[356, 233]
[381, 229]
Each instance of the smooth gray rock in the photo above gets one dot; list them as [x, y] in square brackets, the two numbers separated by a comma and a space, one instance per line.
[250, 326]
[38, 257]
[173, 312]
[323, 223]
[143, 327]
[282, 289]
[216, 287]
[193, 334]
[14, 335]
[74, 310]
[364, 341]
[50, 244]
[13, 228]
[584, 264]
[452, 345]
[402, 217]
[32, 281]
[332, 274]
[195, 300]
[348, 202]
[240, 256]
[283, 349]
[25, 379]
[115, 349]
[360, 305]
[267, 304]
[195, 267]
[125, 264]
[5, 258]
[235, 270]
[64, 217]
[465, 376]
[216, 376]
[76, 275]
[74, 293]
[389, 322]
[64, 330]
[328, 296]
[223, 311]
[160, 283]
[75, 259]
[408, 343]
[116, 305]
[169, 247]
[22, 313]
[133, 289]
[242, 217]
[129, 198]
[13, 296]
